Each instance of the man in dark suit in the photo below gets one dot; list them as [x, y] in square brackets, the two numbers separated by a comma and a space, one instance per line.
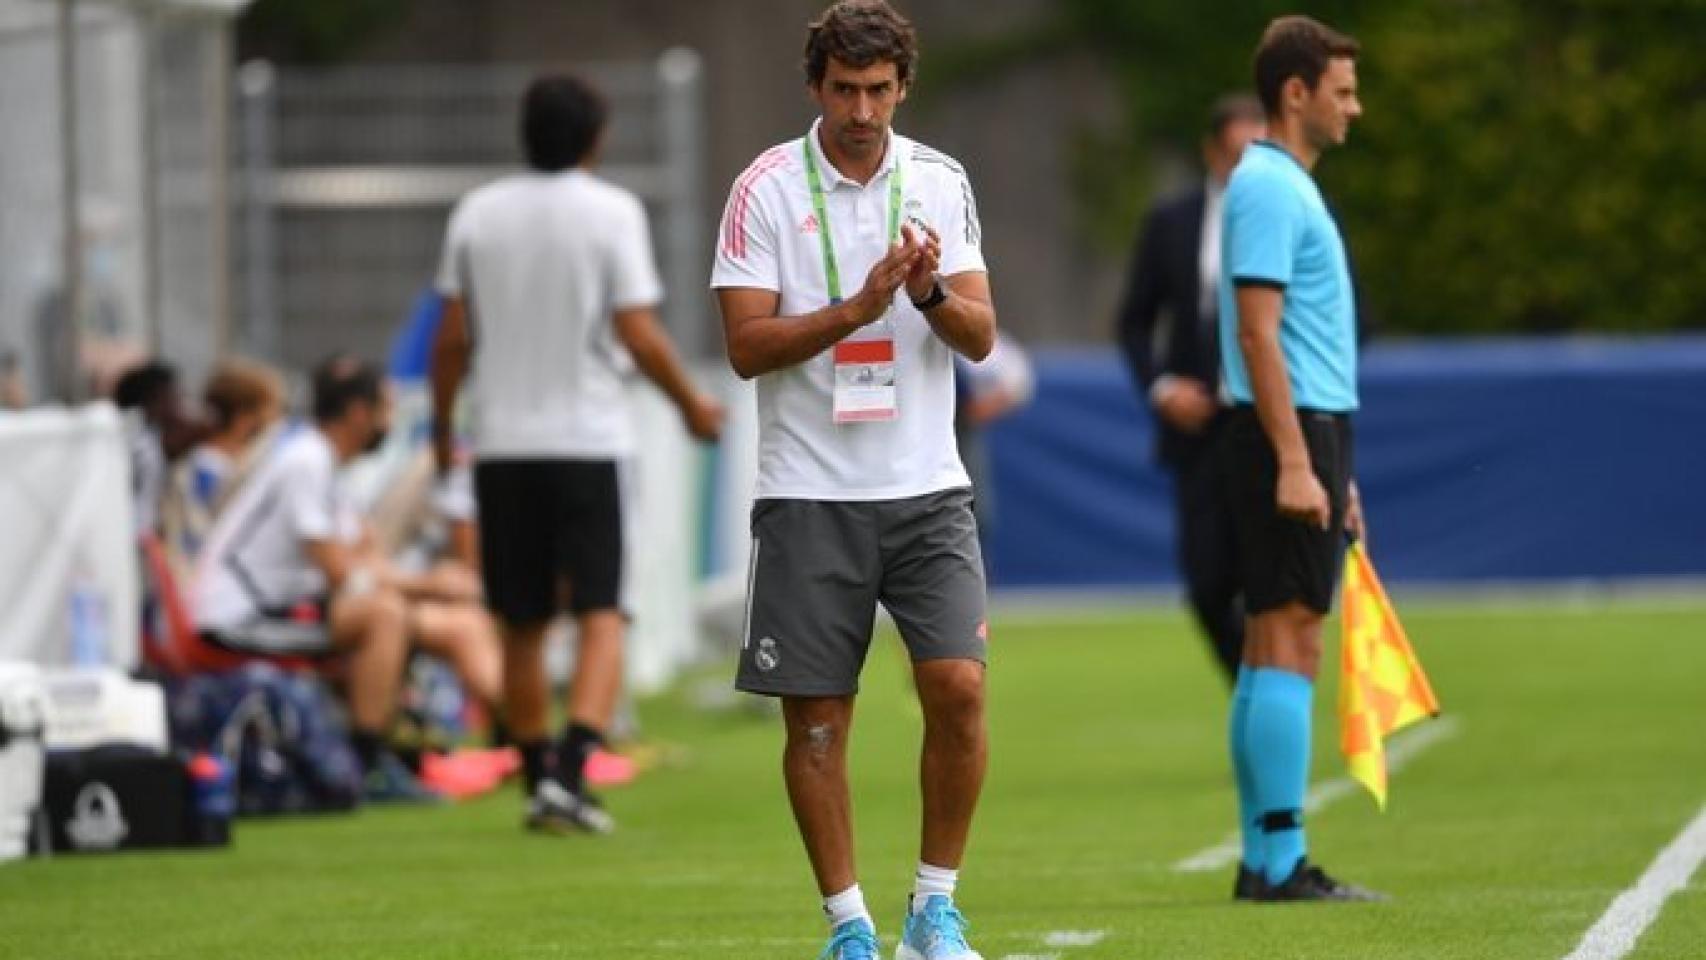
[1167, 329]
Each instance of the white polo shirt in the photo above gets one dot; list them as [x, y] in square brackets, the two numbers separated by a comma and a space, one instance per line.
[542, 260]
[769, 241]
[255, 563]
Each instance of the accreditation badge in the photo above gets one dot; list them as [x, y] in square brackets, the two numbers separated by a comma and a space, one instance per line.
[865, 380]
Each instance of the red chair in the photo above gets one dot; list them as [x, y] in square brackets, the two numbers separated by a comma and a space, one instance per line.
[172, 643]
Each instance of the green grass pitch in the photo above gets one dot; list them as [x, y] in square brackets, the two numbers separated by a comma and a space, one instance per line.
[1580, 753]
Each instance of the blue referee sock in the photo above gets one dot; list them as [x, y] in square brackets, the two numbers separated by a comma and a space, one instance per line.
[1278, 747]
[1238, 733]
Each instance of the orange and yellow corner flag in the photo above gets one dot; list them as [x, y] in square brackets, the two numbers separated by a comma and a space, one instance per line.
[1381, 685]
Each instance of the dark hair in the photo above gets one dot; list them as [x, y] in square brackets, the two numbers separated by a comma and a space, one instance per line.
[561, 118]
[1299, 47]
[860, 33]
[340, 381]
[143, 384]
[1234, 108]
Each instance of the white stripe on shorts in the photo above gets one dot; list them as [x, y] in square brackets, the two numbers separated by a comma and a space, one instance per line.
[751, 582]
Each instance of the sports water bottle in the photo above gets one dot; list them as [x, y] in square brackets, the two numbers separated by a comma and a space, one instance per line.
[214, 793]
[89, 624]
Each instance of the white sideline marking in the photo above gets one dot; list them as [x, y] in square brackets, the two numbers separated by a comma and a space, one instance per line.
[1062, 938]
[1403, 748]
[1636, 908]
[1074, 938]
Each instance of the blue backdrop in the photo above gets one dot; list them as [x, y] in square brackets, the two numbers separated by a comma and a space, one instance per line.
[1492, 461]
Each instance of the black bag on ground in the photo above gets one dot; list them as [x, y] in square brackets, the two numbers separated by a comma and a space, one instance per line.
[124, 797]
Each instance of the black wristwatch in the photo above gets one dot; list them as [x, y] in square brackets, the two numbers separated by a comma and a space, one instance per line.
[932, 299]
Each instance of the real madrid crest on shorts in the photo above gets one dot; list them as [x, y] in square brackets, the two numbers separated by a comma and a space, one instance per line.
[767, 657]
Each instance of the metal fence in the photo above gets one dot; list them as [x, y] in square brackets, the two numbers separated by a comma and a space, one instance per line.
[175, 207]
[350, 173]
[114, 241]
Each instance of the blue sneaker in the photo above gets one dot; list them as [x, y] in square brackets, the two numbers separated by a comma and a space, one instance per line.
[936, 932]
[853, 940]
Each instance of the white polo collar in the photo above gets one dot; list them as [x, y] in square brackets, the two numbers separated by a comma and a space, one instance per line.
[834, 177]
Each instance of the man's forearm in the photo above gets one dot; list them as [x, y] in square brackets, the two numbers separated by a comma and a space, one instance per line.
[1137, 345]
[336, 561]
[423, 585]
[772, 343]
[1135, 326]
[1268, 381]
[450, 353]
[964, 323]
[640, 331]
[412, 586]
[657, 360]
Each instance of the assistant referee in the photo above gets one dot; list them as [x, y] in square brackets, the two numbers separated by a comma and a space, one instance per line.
[1288, 351]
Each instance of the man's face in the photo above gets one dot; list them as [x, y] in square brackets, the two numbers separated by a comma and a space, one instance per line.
[1329, 109]
[249, 423]
[376, 419]
[1221, 153]
[858, 104]
[166, 409]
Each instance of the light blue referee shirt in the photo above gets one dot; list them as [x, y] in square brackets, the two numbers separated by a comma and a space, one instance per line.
[1275, 229]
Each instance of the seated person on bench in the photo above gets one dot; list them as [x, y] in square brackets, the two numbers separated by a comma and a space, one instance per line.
[290, 571]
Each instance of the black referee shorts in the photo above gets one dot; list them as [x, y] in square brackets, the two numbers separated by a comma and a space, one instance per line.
[546, 525]
[1281, 560]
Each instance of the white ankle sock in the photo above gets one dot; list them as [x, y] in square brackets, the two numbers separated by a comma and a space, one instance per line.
[931, 881]
[847, 905]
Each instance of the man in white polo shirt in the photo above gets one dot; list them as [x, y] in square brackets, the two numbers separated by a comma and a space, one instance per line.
[551, 293]
[289, 570]
[861, 495]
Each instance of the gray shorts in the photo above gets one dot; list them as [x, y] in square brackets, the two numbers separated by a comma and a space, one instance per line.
[819, 569]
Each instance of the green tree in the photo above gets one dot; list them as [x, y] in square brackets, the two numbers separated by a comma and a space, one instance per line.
[312, 31]
[1524, 165]
[1531, 166]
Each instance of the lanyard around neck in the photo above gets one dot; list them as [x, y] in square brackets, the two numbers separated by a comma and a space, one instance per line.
[831, 272]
